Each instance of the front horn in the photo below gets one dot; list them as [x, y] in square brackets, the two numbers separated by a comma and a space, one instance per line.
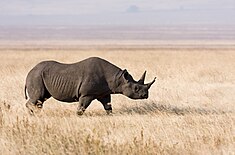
[141, 80]
[149, 84]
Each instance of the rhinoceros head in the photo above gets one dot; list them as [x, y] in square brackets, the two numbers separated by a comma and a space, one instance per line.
[135, 89]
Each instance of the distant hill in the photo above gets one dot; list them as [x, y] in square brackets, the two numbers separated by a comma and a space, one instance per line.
[132, 17]
[110, 32]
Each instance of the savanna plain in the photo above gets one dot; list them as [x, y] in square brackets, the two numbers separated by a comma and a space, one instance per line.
[190, 109]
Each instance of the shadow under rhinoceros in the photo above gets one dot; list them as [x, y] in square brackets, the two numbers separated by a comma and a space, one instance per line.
[163, 108]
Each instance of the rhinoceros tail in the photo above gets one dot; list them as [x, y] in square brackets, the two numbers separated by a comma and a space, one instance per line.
[25, 93]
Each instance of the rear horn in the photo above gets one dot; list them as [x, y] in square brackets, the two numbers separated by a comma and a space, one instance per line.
[141, 80]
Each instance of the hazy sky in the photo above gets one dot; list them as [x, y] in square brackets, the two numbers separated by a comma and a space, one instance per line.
[40, 7]
[139, 11]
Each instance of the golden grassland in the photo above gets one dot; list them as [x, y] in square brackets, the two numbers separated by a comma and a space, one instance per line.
[190, 109]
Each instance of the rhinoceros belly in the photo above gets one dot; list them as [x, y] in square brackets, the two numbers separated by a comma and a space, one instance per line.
[62, 88]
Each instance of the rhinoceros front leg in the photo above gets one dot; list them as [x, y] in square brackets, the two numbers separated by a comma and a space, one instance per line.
[106, 101]
[84, 102]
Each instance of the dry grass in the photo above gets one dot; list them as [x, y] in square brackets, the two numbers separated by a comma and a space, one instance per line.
[190, 110]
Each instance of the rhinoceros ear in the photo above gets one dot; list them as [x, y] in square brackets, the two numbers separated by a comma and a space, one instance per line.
[141, 80]
[125, 75]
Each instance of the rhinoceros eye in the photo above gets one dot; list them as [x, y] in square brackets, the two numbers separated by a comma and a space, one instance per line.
[137, 88]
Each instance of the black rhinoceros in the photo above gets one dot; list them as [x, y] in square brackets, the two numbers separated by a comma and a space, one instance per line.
[84, 81]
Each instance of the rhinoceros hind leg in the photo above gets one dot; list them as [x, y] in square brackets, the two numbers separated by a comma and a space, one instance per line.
[34, 106]
[30, 107]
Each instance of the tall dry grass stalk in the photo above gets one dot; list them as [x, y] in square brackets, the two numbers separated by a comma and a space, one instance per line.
[190, 109]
